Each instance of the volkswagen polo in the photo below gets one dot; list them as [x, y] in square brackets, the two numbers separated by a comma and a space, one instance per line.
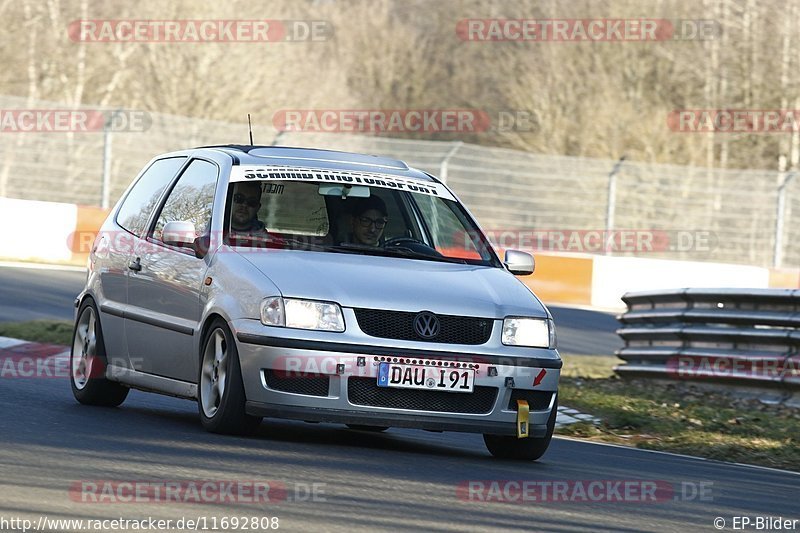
[314, 285]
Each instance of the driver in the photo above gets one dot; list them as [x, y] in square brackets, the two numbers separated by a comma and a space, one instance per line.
[368, 219]
[246, 202]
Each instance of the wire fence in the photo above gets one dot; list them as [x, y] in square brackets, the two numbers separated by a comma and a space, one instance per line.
[736, 216]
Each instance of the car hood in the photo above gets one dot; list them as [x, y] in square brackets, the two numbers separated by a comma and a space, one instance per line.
[355, 280]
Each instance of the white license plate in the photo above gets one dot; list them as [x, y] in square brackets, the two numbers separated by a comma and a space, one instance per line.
[426, 377]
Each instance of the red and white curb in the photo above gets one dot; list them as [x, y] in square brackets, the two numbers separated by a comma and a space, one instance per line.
[23, 359]
[567, 416]
[6, 342]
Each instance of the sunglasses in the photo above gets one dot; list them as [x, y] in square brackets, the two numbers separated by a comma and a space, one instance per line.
[380, 223]
[239, 198]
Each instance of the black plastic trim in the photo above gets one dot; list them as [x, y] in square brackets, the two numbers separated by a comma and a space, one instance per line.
[400, 420]
[111, 310]
[303, 344]
[159, 323]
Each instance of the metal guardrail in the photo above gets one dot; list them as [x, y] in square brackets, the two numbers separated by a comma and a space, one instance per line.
[737, 336]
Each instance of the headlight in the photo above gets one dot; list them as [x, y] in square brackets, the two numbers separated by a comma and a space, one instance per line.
[532, 332]
[302, 314]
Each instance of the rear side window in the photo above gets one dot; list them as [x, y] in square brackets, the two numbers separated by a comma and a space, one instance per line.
[143, 197]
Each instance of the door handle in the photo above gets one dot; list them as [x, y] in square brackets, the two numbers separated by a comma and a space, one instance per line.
[135, 265]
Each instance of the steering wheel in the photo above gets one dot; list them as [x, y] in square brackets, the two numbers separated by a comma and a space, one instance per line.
[410, 243]
[402, 241]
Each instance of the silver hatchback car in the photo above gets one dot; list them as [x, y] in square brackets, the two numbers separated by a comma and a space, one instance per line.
[314, 285]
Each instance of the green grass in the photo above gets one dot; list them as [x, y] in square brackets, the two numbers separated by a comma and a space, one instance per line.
[47, 331]
[588, 366]
[678, 417]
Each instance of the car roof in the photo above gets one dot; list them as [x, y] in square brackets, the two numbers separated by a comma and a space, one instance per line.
[316, 158]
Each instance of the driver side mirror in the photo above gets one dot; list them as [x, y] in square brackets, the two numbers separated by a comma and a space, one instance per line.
[183, 234]
[179, 233]
[519, 263]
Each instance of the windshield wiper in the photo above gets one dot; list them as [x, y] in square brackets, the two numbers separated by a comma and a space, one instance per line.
[353, 246]
[350, 247]
[413, 254]
[395, 251]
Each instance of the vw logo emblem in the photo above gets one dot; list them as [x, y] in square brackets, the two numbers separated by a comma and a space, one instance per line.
[426, 324]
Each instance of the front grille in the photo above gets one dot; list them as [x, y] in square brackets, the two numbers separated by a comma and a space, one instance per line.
[400, 325]
[310, 386]
[365, 391]
[537, 400]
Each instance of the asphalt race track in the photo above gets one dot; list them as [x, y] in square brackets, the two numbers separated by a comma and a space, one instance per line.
[400, 480]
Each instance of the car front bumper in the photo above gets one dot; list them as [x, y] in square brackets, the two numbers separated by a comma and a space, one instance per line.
[273, 367]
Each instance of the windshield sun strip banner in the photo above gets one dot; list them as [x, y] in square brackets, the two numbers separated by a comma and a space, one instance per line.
[241, 173]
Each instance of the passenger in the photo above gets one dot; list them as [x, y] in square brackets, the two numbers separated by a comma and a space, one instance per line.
[244, 210]
[368, 220]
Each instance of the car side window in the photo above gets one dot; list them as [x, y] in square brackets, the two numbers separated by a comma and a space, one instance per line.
[142, 199]
[191, 200]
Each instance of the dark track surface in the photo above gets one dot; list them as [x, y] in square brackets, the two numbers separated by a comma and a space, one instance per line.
[399, 480]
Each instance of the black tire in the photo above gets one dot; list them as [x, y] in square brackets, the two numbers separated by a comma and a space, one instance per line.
[373, 429]
[529, 449]
[222, 413]
[87, 374]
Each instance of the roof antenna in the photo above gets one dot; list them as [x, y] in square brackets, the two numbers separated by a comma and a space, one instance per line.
[250, 127]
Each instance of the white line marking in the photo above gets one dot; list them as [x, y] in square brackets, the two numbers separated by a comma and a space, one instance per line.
[42, 266]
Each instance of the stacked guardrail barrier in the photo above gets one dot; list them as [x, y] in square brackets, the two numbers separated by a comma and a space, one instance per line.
[748, 337]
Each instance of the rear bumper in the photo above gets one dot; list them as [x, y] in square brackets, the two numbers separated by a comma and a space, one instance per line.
[337, 402]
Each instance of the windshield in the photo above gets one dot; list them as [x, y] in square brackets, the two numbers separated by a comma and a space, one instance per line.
[364, 219]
